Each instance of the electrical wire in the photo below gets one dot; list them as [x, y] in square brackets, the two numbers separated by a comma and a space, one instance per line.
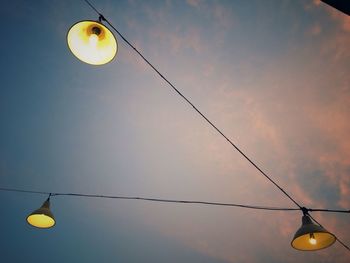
[327, 210]
[256, 207]
[101, 17]
[23, 191]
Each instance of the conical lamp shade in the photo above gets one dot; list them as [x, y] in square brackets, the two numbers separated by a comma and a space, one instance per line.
[311, 237]
[42, 217]
[92, 42]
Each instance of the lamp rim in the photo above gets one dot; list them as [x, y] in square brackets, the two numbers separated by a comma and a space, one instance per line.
[105, 27]
[54, 221]
[311, 250]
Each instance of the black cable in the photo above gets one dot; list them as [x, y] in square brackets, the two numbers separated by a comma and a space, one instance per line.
[24, 191]
[92, 7]
[193, 106]
[341, 242]
[271, 208]
[187, 202]
[152, 199]
[328, 210]
[183, 202]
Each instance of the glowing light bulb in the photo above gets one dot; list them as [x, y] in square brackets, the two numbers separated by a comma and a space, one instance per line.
[92, 42]
[312, 239]
[93, 39]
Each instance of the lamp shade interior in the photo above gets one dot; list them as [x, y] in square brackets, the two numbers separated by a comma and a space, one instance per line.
[315, 242]
[92, 42]
[42, 217]
[41, 220]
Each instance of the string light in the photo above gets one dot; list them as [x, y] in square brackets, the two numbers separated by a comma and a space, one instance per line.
[93, 43]
[309, 236]
[42, 217]
[162, 200]
[307, 226]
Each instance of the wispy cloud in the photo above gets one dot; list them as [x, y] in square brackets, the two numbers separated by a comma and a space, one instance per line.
[194, 3]
[315, 30]
[288, 112]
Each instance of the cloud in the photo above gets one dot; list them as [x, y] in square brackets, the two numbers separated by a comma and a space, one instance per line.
[316, 2]
[179, 40]
[194, 3]
[342, 19]
[315, 30]
[289, 114]
[223, 15]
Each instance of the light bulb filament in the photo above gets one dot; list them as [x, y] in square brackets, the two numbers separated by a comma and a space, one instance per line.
[93, 39]
[312, 239]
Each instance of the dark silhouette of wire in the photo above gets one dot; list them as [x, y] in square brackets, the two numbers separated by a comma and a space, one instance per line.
[327, 210]
[257, 207]
[23, 191]
[341, 242]
[92, 7]
[102, 18]
[152, 199]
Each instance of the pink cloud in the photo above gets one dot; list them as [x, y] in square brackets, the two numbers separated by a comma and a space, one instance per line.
[292, 119]
[194, 3]
[178, 40]
[223, 15]
[315, 30]
[316, 2]
[342, 19]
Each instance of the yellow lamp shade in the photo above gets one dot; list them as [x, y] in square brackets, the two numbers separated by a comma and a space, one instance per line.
[310, 236]
[92, 42]
[42, 217]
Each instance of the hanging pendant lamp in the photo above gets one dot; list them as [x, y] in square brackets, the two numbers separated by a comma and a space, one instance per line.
[42, 217]
[92, 42]
[310, 236]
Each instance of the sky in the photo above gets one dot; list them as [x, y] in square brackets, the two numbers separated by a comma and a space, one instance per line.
[273, 75]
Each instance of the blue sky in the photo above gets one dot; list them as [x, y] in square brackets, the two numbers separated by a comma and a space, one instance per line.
[273, 75]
